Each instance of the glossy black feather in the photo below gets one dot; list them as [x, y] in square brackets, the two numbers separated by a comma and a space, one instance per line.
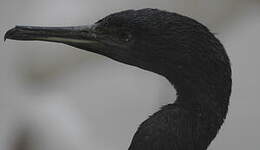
[194, 61]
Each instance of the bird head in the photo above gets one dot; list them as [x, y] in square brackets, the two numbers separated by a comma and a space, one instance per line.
[166, 43]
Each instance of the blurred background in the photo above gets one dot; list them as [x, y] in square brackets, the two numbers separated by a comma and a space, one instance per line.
[55, 97]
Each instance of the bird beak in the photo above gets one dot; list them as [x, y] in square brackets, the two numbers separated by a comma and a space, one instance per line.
[77, 35]
[82, 37]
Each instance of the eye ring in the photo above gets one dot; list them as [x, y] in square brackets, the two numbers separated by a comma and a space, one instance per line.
[125, 36]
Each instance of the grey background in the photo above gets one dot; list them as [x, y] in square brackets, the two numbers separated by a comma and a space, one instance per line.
[57, 97]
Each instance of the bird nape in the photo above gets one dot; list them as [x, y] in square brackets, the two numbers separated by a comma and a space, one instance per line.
[174, 46]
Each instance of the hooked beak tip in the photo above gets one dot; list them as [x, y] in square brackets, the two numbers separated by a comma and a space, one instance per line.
[10, 34]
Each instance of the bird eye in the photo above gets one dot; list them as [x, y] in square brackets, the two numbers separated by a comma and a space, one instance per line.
[125, 36]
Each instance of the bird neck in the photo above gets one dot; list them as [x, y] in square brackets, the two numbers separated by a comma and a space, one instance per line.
[204, 94]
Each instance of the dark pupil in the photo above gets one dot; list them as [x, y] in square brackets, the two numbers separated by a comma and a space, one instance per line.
[124, 36]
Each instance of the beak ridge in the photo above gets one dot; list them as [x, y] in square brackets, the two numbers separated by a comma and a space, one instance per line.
[78, 34]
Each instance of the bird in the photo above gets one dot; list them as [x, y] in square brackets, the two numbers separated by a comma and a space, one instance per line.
[177, 47]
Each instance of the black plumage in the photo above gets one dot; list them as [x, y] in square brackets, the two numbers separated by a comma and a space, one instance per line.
[174, 46]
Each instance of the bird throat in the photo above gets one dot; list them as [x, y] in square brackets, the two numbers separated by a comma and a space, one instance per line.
[208, 96]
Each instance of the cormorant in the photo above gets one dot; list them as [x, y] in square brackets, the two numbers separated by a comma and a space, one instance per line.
[174, 46]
